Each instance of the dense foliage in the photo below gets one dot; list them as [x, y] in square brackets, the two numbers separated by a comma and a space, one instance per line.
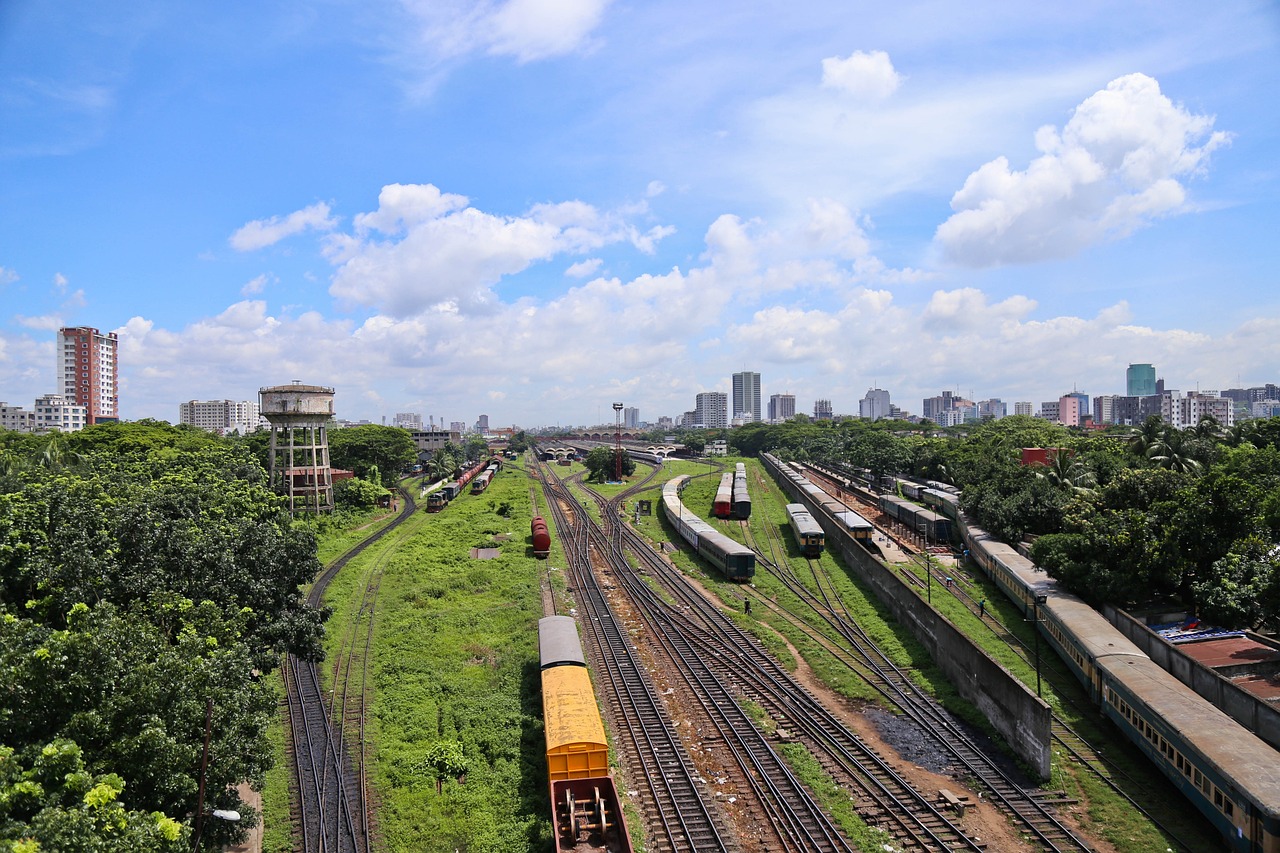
[603, 464]
[1125, 515]
[364, 448]
[144, 570]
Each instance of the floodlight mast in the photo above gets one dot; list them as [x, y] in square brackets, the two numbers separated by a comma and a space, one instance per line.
[617, 442]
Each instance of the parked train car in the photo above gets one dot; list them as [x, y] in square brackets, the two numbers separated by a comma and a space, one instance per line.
[541, 537]
[584, 799]
[899, 486]
[939, 500]
[741, 494]
[485, 477]
[437, 500]
[722, 506]
[646, 456]
[734, 560]
[808, 532]
[1227, 772]
[859, 528]
[919, 519]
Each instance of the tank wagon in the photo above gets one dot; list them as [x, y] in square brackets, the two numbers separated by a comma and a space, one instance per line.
[808, 532]
[485, 477]
[741, 495]
[734, 560]
[1227, 772]
[584, 799]
[722, 507]
[917, 518]
[541, 537]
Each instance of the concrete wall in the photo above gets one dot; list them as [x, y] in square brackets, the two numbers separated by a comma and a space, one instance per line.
[1242, 706]
[1015, 712]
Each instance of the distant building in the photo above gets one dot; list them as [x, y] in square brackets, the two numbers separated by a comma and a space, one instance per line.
[1022, 408]
[875, 405]
[1073, 409]
[719, 447]
[1183, 411]
[428, 441]
[457, 426]
[822, 410]
[56, 413]
[16, 418]
[408, 420]
[746, 395]
[711, 410]
[993, 408]
[89, 372]
[221, 416]
[665, 422]
[782, 407]
[482, 425]
[1140, 380]
[631, 417]
[1049, 411]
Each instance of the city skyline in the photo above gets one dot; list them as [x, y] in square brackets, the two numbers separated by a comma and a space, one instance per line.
[537, 208]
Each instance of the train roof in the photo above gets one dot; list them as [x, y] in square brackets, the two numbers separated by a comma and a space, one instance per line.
[558, 642]
[571, 717]
[1237, 753]
[852, 520]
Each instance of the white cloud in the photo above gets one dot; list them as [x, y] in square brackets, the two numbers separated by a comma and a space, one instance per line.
[583, 269]
[528, 30]
[867, 76]
[45, 322]
[1115, 166]
[7, 276]
[257, 284]
[655, 189]
[60, 282]
[261, 233]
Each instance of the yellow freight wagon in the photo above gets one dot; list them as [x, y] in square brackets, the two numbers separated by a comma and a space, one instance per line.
[576, 746]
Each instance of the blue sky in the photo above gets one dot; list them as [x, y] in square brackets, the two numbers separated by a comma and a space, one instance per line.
[534, 208]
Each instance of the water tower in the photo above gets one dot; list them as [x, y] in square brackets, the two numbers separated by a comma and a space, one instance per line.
[299, 416]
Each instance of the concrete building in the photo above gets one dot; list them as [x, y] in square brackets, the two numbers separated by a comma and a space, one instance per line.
[1140, 380]
[631, 417]
[16, 418]
[1049, 411]
[993, 408]
[1183, 411]
[89, 372]
[428, 441]
[711, 410]
[408, 420]
[56, 413]
[782, 407]
[1073, 408]
[299, 452]
[822, 410]
[746, 396]
[875, 405]
[482, 425]
[221, 416]
[1023, 408]
[457, 426]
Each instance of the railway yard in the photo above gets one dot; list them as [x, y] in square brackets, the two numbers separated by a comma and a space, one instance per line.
[787, 713]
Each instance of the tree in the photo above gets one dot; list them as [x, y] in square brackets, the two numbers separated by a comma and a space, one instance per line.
[602, 464]
[360, 448]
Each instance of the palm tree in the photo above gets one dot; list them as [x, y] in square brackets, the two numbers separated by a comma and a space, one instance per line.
[1066, 471]
[1153, 431]
[56, 456]
[1172, 452]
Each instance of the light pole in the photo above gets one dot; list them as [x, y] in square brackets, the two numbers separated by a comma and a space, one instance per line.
[1035, 629]
[928, 565]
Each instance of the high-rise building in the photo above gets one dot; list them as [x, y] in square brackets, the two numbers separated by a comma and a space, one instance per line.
[746, 395]
[631, 417]
[1022, 408]
[1140, 380]
[782, 407]
[994, 408]
[711, 409]
[822, 410]
[482, 425]
[875, 405]
[456, 426]
[408, 420]
[88, 371]
[220, 416]
[1049, 410]
[1073, 408]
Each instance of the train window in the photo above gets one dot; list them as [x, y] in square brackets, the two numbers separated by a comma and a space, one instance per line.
[1217, 799]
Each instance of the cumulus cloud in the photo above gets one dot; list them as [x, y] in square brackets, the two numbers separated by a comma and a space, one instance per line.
[427, 250]
[583, 269]
[257, 284]
[528, 30]
[867, 76]
[261, 233]
[1116, 165]
[44, 322]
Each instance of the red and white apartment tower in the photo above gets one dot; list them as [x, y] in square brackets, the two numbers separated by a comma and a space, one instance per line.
[90, 372]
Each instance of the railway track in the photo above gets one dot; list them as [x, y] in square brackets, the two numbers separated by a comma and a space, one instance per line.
[330, 807]
[678, 815]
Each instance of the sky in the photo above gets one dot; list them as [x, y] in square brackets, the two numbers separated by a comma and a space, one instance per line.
[532, 209]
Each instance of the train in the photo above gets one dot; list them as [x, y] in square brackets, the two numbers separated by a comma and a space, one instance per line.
[722, 506]
[1227, 772]
[934, 526]
[854, 524]
[485, 477]
[541, 537]
[741, 495]
[441, 497]
[584, 799]
[733, 559]
[808, 532]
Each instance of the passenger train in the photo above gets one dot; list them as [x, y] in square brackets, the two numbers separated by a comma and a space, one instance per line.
[741, 495]
[734, 560]
[853, 523]
[808, 532]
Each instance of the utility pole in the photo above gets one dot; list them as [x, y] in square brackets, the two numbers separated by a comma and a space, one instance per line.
[617, 442]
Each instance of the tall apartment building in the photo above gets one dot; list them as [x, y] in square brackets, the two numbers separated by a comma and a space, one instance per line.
[482, 425]
[931, 408]
[1022, 408]
[746, 395]
[994, 408]
[221, 416]
[56, 413]
[408, 420]
[89, 372]
[1049, 410]
[822, 410]
[1140, 380]
[631, 417]
[875, 405]
[711, 409]
[1073, 408]
[782, 407]
[1183, 411]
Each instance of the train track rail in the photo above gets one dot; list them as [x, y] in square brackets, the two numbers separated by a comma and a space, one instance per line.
[330, 805]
